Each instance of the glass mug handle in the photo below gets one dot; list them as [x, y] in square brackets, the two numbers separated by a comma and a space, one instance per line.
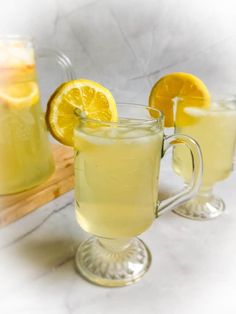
[63, 61]
[197, 166]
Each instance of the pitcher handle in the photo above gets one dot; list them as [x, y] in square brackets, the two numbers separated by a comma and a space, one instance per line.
[197, 170]
[63, 61]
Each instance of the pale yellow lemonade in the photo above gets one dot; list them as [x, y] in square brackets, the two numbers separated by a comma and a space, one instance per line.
[116, 171]
[25, 156]
[215, 131]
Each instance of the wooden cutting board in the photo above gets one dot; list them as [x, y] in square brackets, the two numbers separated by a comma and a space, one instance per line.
[12, 207]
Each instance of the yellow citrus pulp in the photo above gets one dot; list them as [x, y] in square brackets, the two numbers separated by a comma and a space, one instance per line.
[184, 88]
[91, 99]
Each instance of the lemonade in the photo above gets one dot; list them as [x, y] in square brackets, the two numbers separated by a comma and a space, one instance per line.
[215, 131]
[116, 171]
[25, 156]
[191, 109]
[118, 149]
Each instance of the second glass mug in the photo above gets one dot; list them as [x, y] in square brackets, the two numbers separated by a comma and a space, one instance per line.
[116, 175]
[25, 154]
[214, 128]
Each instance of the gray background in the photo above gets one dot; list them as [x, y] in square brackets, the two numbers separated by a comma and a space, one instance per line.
[128, 45]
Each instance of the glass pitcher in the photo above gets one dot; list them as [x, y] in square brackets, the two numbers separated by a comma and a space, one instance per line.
[25, 154]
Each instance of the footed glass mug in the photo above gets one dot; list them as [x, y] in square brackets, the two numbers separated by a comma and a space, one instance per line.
[116, 174]
[25, 155]
[214, 128]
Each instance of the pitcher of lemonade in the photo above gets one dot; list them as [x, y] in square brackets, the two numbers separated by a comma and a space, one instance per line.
[25, 155]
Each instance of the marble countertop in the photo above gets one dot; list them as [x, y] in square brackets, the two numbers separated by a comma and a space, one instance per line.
[193, 266]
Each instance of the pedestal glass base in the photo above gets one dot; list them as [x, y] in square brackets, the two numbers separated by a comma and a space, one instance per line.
[202, 207]
[113, 263]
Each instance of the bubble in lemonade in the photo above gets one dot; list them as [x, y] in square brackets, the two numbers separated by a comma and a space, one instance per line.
[215, 131]
[25, 157]
[115, 175]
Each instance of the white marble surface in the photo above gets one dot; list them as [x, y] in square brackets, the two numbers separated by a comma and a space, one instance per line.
[193, 267]
[127, 46]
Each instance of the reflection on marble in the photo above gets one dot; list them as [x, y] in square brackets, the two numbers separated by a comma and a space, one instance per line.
[127, 46]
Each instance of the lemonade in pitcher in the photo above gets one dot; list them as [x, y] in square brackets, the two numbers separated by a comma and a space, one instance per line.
[25, 156]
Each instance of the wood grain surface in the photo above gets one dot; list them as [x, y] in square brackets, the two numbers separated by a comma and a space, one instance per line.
[13, 207]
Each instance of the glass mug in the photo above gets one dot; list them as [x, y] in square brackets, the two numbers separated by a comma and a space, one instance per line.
[116, 174]
[25, 155]
[214, 128]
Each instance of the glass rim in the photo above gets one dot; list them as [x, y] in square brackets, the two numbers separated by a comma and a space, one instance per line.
[214, 97]
[159, 119]
[12, 37]
[217, 102]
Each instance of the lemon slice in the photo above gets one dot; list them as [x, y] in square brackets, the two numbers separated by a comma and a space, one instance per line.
[90, 98]
[19, 94]
[184, 88]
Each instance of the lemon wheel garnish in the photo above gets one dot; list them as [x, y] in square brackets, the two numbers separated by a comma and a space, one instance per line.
[19, 95]
[90, 98]
[188, 91]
